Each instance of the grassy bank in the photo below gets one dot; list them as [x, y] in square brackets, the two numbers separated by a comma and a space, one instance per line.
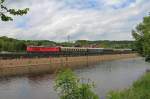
[139, 90]
[22, 66]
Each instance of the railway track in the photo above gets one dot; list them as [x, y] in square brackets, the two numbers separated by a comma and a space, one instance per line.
[46, 55]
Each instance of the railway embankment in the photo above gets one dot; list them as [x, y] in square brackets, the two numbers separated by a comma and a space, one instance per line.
[12, 67]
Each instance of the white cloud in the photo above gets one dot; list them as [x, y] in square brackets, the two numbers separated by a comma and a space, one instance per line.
[54, 20]
[113, 2]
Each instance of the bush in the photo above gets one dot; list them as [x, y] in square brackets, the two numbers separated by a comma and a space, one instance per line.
[68, 86]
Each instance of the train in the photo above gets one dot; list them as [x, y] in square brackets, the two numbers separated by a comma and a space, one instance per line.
[48, 51]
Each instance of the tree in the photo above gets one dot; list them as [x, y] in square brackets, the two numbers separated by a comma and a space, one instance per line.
[142, 37]
[6, 12]
[80, 43]
[68, 86]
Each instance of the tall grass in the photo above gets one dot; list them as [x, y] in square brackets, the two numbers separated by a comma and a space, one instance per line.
[139, 90]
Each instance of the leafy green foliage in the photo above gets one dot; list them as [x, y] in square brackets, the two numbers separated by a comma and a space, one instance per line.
[14, 45]
[5, 12]
[68, 87]
[86, 92]
[106, 44]
[66, 44]
[9, 44]
[139, 90]
[5, 18]
[142, 36]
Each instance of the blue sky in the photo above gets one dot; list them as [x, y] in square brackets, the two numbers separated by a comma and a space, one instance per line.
[81, 19]
[82, 4]
[97, 4]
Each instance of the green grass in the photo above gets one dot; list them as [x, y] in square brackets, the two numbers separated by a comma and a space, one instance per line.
[139, 90]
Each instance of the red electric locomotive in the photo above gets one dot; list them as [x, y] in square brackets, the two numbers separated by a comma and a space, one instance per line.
[43, 49]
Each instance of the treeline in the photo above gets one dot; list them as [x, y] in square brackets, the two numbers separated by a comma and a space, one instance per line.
[14, 45]
[9, 44]
[106, 44]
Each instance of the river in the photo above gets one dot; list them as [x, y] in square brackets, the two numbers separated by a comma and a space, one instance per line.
[112, 75]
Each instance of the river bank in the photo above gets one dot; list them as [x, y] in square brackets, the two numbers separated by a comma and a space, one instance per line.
[52, 65]
[139, 90]
[107, 76]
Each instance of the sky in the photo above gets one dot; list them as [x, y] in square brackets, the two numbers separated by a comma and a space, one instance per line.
[80, 19]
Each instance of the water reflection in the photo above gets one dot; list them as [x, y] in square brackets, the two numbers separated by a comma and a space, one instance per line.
[107, 76]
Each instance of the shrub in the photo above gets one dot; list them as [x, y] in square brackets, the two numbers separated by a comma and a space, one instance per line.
[68, 86]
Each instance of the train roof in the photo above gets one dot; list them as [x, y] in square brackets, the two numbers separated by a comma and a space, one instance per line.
[74, 47]
[81, 48]
[43, 46]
